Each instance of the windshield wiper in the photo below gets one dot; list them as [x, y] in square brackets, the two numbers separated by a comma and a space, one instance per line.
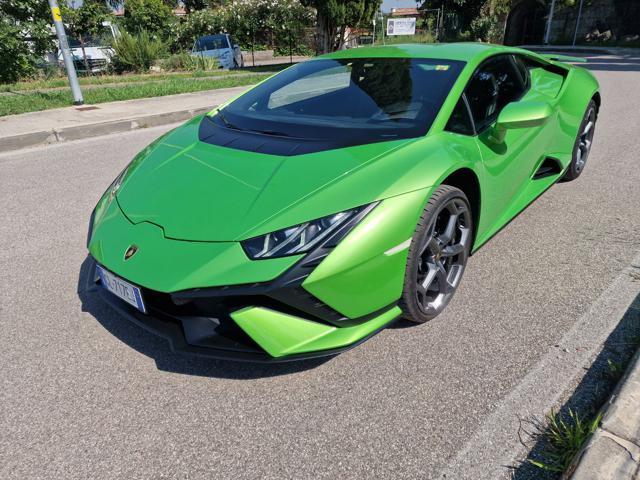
[226, 122]
[271, 132]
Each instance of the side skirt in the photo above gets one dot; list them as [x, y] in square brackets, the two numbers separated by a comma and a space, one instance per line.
[520, 206]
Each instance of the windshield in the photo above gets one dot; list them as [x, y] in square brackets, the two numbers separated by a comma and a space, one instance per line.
[102, 39]
[373, 99]
[211, 42]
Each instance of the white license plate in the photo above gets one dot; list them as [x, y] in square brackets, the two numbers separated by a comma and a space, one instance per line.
[121, 289]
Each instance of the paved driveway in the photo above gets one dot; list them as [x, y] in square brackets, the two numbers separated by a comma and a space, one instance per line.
[85, 394]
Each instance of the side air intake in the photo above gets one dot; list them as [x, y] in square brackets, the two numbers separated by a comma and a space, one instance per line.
[549, 167]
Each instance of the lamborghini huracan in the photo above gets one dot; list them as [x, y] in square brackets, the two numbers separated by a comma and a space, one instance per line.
[343, 193]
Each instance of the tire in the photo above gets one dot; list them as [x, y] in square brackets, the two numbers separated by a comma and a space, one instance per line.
[437, 255]
[582, 145]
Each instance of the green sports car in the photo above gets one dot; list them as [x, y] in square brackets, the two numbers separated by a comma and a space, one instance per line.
[345, 192]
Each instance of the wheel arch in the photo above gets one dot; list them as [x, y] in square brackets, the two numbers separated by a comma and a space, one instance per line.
[466, 180]
[598, 100]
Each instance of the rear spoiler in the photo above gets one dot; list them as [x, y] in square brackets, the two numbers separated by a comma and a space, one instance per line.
[563, 58]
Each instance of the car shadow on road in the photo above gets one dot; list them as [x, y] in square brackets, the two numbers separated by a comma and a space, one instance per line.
[158, 349]
[593, 390]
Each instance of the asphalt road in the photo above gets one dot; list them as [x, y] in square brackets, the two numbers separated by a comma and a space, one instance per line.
[85, 394]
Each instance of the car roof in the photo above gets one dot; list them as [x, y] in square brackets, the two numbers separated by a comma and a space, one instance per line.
[463, 51]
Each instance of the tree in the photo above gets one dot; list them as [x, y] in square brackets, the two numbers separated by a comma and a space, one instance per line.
[334, 17]
[153, 16]
[465, 10]
[25, 37]
[195, 25]
[483, 19]
[85, 21]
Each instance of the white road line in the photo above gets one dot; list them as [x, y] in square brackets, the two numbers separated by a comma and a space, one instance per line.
[495, 446]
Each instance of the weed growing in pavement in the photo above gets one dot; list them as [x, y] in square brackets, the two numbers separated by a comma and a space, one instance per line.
[615, 370]
[562, 437]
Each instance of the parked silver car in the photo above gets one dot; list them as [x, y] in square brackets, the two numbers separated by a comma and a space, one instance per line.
[220, 47]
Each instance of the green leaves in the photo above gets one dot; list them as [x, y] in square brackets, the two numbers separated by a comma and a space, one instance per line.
[152, 16]
[85, 20]
[138, 52]
[250, 22]
[564, 438]
[334, 17]
[25, 36]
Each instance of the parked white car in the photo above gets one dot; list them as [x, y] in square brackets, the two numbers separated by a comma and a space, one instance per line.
[96, 51]
[220, 47]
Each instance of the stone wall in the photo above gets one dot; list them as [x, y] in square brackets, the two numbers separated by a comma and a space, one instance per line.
[619, 17]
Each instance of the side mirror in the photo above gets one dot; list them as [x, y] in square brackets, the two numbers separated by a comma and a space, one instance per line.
[521, 115]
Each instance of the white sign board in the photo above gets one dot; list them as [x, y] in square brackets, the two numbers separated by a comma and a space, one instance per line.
[401, 26]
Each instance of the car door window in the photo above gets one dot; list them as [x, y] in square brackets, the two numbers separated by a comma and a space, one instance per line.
[460, 121]
[495, 84]
[521, 66]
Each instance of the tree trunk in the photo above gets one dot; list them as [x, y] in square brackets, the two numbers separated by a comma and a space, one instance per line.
[341, 33]
[84, 55]
[323, 34]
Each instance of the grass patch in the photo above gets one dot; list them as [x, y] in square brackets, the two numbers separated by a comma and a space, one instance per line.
[563, 438]
[62, 82]
[36, 101]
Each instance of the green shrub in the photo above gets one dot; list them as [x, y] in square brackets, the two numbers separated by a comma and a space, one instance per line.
[197, 24]
[184, 61]
[137, 52]
[200, 62]
[16, 59]
[153, 16]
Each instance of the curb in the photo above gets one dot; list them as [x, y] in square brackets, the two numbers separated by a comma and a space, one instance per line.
[613, 451]
[45, 137]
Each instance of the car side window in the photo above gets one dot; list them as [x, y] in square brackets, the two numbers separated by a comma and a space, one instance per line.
[521, 66]
[495, 84]
[460, 121]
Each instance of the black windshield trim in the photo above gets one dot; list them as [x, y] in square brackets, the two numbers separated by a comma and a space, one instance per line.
[214, 133]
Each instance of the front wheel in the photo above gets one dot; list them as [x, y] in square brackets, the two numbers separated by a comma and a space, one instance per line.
[437, 255]
[583, 142]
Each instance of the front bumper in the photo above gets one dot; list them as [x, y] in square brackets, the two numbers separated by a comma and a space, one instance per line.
[221, 324]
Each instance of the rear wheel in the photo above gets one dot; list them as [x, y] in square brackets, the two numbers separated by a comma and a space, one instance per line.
[582, 146]
[437, 255]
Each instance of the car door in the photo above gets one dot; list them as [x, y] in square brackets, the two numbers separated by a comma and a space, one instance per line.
[508, 165]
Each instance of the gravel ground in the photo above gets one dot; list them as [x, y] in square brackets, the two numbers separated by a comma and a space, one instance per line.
[86, 394]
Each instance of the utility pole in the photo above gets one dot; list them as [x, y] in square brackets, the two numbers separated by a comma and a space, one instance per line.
[66, 53]
[547, 34]
[575, 33]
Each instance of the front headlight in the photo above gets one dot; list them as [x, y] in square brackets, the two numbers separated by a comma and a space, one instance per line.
[115, 185]
[105, 201]
[299, 238]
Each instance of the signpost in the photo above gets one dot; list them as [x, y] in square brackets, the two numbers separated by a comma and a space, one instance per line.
[66, 53]
[401, 26]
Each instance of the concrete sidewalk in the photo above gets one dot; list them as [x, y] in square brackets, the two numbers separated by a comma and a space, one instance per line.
[613, 452]
[72, 123]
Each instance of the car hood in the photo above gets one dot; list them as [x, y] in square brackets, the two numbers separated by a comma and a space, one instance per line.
[202, 192]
